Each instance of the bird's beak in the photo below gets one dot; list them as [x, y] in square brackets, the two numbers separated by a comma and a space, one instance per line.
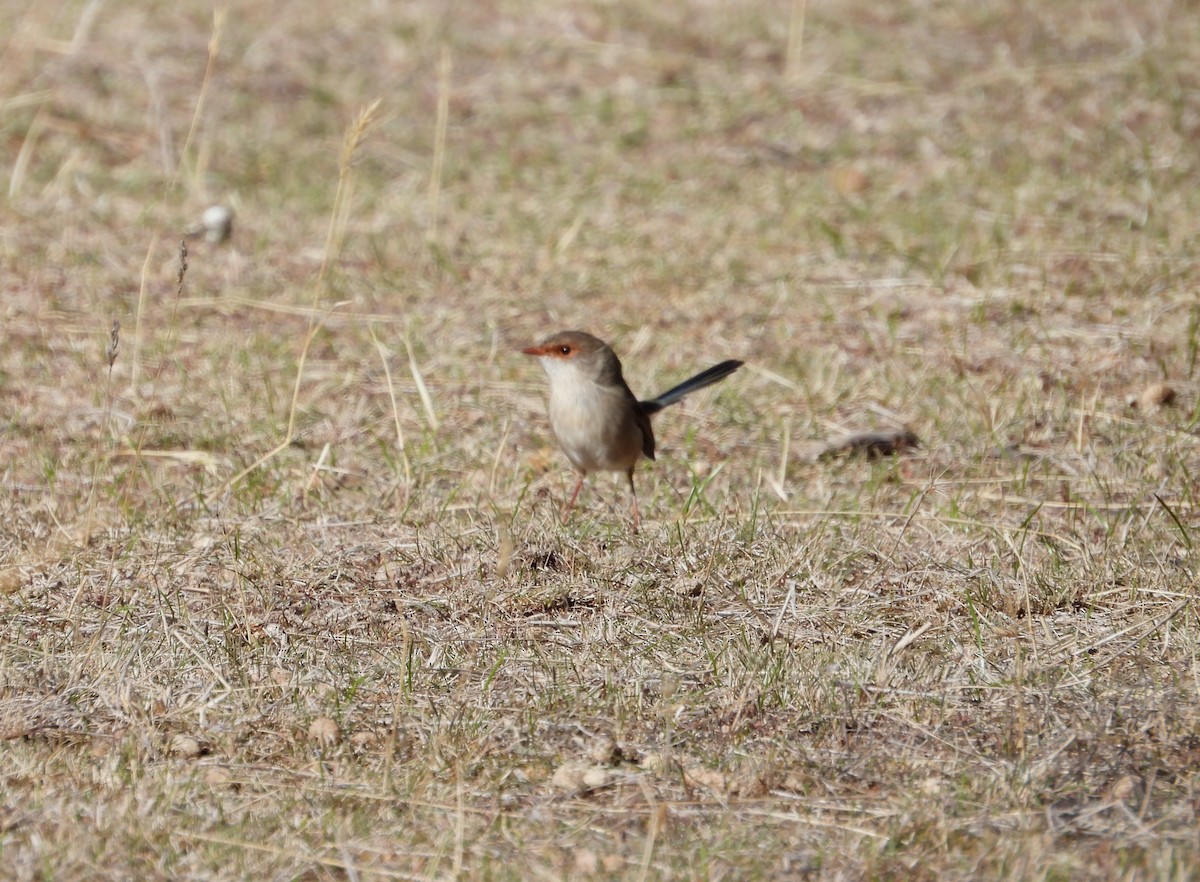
[535, 351]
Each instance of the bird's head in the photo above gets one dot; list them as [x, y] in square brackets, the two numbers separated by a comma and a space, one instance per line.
[576, 353]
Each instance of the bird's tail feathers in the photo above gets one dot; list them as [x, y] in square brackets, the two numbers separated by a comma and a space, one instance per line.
[702, 379]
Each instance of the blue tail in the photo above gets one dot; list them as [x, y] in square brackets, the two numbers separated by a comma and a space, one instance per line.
[702, 379]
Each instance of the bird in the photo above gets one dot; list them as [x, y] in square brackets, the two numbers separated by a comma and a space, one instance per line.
[597, 421]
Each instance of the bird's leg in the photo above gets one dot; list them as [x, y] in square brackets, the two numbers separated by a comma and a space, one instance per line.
[637, 515]
[574, 495]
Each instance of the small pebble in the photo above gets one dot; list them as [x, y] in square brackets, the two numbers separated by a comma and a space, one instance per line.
[1153, 396]
[186, 746]
[218, 223]
[324, 731]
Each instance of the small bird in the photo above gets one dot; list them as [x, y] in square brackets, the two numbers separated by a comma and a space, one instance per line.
[597, 421]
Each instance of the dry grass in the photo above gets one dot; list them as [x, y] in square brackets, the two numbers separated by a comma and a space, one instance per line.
[275, 608]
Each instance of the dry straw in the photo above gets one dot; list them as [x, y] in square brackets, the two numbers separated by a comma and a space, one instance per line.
[214, 44]
[439, 140]
[355, 136]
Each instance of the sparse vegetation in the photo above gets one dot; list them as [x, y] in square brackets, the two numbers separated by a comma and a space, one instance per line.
[283, 590]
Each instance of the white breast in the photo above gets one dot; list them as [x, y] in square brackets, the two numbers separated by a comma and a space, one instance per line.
[592, 423]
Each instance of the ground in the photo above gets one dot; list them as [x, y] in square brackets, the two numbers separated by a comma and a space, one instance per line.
[283, 586]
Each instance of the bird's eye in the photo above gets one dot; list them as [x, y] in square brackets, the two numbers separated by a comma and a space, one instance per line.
[565, 350]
